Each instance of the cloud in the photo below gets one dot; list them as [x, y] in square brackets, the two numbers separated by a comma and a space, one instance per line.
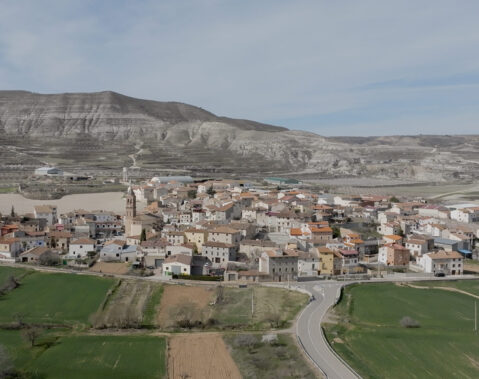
[315, 65]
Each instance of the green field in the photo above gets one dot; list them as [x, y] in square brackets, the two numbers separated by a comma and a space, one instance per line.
[369, 336]
[277, 359]
[54, 298]
[270, 305]
[471, 286]
[88, 356]
[6, 272]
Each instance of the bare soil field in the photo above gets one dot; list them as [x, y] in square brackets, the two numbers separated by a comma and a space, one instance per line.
[117, 268]
[125, 305]
[174, 297]
[200, 356]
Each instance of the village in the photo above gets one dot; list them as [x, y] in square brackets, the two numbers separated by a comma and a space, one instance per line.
[236, 230]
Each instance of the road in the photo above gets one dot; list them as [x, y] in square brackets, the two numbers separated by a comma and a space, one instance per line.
[308, 324]
[308, 329]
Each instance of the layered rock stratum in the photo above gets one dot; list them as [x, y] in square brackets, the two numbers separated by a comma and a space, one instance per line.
[109, 130]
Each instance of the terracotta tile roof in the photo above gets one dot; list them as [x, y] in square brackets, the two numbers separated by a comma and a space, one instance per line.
[393, 237]
[445, 255]
[82, 241]
[181, 258]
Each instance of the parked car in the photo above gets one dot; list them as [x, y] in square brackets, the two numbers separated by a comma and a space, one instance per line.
[439, 274]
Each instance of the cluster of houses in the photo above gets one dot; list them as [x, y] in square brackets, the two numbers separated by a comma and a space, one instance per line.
[240, 231]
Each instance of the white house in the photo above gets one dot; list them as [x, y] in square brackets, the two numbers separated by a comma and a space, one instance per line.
[447, 262]
[417, 247]
[118, 250]
[179, 264]
[80, 247]
[219, 253]
[47, 212]
[308, 264]
[466, 215]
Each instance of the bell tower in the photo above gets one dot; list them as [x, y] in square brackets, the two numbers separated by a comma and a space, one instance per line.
[130, 203]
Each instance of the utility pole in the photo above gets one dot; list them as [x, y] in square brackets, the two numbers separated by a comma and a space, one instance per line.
[475, 316]
[252, 302]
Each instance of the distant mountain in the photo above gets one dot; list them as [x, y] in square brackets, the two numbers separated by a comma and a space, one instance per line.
[108, 130]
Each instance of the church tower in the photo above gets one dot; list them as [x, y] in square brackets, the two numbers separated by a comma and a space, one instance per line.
[130, 204]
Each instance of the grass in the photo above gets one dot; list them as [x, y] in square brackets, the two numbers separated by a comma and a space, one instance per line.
[471, 286]
[54, 298]
[151, 308]
[6, 272]
[268, 302]
[88, 356]
[369, 336]
[278, 359]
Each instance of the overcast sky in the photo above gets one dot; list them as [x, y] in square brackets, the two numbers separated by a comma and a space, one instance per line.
[332, 67]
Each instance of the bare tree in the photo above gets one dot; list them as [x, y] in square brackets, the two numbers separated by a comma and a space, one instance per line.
[31, 334]
[409, 322]
[9, 285]
[220, 294]
[274, 318]
[246, 340]
[187, 315]
[19, 318]
[6, 365]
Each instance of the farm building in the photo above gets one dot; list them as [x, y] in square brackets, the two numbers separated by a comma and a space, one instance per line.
[48, 171]
[279, 181]
[169, 179]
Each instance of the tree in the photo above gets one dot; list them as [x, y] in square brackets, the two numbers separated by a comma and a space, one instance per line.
[394, 199]
[49, 259]
[192, 194]
[245, 340]
[336, 232]
[274, 318]
[6, 365]
[211, 191]
[409, 322]
[220, 294]
[143, 235]
[9, 285]
[30, 335]
[12, 212]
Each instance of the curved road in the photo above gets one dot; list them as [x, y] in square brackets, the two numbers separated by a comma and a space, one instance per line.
[308, 329]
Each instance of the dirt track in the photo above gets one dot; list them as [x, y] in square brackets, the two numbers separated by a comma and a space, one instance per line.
[200, 356]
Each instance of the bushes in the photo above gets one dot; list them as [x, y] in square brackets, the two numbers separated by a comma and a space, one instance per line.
[205, 278]
[408, 322]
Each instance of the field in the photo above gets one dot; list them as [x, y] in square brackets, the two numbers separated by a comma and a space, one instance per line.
[175, 297]
[470, 286]
[6, 272]
[65, 311]
[125, 304]
[54, 298]
[110, 268]
[273, 307]
[89, 356]
[200, 356]
[276, 359]
[369, 336]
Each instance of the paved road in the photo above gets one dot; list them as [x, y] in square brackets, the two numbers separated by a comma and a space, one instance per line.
[308, 330]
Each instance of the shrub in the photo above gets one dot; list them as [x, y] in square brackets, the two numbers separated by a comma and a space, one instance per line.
[408, 322]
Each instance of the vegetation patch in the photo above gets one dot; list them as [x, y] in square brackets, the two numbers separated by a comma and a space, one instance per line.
[378, 343]
[125, 305]
[56, 356]
[273, 358]
[45, 298]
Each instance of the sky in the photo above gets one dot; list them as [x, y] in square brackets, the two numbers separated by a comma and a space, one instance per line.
[369, 67]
